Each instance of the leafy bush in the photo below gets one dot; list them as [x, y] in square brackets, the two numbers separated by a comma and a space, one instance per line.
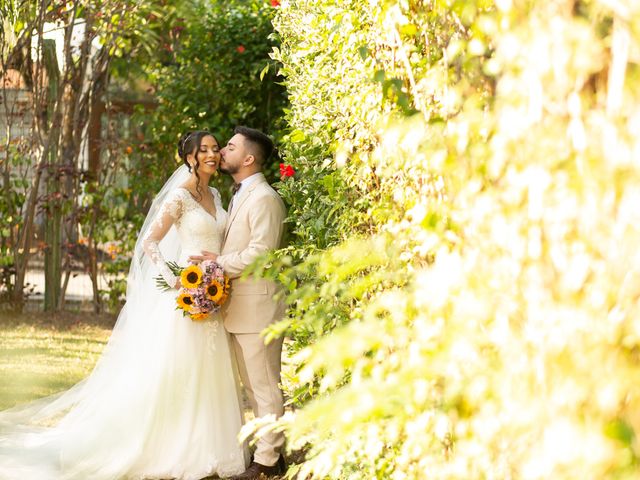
[463, 275]
[216, 75]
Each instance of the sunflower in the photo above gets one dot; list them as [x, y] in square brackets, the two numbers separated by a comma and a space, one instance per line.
[198, 316]
[191, 276]
[215, 291]
[185, 301]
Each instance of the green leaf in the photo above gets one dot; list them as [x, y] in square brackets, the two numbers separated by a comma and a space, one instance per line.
[297, 136]
[409, 29]
[620, 430]
[264, 71]
[109, 233]
[364, 52]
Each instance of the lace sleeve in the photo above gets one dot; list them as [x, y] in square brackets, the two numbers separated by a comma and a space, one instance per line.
[169, 213]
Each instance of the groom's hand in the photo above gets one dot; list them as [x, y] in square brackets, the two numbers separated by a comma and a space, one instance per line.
[205, 256]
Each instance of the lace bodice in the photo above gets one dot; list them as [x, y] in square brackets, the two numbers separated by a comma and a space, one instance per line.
[197, 229]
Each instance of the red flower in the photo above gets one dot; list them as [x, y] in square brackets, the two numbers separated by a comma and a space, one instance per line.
[286, 171]
[275, 3]
[240, 49]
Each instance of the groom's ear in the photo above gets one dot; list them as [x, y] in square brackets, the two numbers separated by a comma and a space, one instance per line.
[249, 160]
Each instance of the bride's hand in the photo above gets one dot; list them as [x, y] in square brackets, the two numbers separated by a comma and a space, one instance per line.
[178, 285]
[205, 256]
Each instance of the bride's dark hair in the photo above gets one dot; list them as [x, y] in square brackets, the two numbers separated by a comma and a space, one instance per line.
[189, 143]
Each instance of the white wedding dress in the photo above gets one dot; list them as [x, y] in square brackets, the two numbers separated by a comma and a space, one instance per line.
[162, 401]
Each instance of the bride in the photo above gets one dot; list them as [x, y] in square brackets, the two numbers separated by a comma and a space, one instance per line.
[162, 401]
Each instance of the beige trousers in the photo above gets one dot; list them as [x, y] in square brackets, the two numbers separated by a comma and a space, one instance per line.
[259, 368]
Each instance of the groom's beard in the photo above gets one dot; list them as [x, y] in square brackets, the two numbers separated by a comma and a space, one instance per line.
[229, 170]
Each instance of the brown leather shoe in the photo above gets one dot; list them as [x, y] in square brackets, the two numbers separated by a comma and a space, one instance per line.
[257, 470]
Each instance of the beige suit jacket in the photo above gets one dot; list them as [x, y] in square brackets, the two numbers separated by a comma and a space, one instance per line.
[255, 226]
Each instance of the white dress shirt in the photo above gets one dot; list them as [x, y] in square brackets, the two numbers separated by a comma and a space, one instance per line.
[243, 184]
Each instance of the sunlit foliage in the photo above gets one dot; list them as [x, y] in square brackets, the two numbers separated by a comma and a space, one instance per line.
[463, 274]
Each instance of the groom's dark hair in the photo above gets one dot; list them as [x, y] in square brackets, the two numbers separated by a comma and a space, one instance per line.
[260, 144]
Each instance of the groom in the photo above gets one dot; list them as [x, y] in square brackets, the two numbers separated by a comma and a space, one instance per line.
[254, 226]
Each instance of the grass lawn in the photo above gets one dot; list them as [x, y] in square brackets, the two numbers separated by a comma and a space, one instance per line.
[41, 354]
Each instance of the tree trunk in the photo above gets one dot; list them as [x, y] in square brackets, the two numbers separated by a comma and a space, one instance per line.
[53, 239]
[48, 128]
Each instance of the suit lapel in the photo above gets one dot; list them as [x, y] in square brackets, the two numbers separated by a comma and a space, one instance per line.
[239, 202]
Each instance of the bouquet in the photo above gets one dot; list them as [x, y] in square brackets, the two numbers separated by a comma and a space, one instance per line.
[205, 287]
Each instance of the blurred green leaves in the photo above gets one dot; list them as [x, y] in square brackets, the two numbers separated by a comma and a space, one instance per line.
[463, 272]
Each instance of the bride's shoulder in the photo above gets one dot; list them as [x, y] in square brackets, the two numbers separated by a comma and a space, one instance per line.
[172, 202]
[175, 197]
[178, 193]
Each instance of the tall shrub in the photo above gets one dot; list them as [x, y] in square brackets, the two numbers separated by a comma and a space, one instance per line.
[470, 309]
[217, 75]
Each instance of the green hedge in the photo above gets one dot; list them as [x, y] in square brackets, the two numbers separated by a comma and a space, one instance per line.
[462, 274]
